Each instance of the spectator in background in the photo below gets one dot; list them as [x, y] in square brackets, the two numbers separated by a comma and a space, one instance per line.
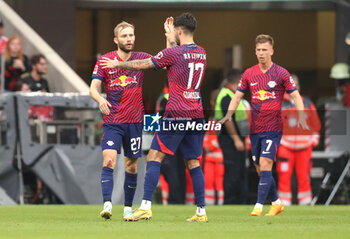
[231, 140]
[16, 62]
[296, 148]
[22, 87]
[3, 39]
[340, 72]
[39, 112]
[34, 78]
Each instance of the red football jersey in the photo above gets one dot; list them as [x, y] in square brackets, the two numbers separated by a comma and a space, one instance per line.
[267, 91]
[123, 88]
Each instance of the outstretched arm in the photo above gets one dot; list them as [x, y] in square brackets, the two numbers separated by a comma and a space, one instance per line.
[300, 108]
[135, 65]
[232, 107]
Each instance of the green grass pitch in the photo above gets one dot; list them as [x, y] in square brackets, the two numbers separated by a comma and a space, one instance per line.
[83, 222]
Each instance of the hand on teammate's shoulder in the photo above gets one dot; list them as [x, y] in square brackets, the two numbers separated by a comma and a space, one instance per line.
[108, 63]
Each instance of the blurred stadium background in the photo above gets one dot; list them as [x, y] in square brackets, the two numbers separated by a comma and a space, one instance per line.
[58, 160]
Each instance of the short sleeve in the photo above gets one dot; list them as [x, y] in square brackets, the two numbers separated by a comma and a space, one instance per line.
[288, 82]
[144, 55]
[225, 102]
[243, 84]
[98, 72]
[164, 58]
[46, 86]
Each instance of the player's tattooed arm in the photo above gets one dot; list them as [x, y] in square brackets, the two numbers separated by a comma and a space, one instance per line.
[173, 44]
[135, 65]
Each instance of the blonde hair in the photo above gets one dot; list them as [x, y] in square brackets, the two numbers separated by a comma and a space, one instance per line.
[7, 49]
[122, 26]
[263, 38]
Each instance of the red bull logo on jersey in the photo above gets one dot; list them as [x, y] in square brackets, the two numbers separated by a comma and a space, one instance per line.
[264, 95]
[123, 81]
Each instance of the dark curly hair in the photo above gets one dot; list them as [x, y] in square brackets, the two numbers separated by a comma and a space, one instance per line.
[186, 21]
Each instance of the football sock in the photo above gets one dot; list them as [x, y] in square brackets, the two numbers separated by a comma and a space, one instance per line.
[198, 185]
[130, 183]
[107, 206]
[146, 205]
[107, 183]
[258, 205]
[273, 191]
[201, 211]
[276, 202]
[151, 179]
[264, 186]
[127, 209]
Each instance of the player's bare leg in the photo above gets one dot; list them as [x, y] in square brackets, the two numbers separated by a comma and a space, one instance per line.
[267, 188]
[109, 160]
[196, 172]
[154, 159]
[130, 183]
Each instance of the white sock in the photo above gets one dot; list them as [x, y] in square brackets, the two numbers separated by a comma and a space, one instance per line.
[109, 203]
[258, 205]
[127, 209]
[201, 211]
[146, 205]
[107, 206]
[277, 202]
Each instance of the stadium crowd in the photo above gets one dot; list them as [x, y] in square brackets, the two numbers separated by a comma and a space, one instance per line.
[19, 69]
